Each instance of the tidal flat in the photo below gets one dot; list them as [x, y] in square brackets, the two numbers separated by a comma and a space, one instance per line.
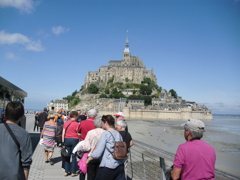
[223, 133]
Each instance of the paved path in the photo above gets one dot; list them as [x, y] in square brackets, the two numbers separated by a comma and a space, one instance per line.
[41, 170]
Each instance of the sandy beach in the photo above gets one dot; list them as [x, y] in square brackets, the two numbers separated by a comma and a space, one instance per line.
[167, 135]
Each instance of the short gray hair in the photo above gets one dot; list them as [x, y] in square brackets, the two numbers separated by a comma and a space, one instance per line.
[92, 113]
[123, 124]
[195, 133]
[98, 121]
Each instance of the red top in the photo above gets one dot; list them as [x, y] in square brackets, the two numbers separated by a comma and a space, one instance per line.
[85, 126]
[71, 130]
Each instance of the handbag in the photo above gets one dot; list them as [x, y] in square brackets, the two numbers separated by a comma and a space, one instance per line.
[64, 153]
[120, 149]
[82, 163]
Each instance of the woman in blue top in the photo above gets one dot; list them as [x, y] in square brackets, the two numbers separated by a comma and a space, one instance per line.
[109, 168]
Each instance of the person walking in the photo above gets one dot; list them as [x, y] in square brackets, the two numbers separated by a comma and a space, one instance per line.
[120, 117]
[69, 141]
[89, 145]
[109, 167]
[48, 135]
[16, 146]
[42, 118]
[36, 122]
[127, 138]
[195, 159]
[87, 124]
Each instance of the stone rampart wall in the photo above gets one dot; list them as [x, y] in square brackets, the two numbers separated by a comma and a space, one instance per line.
[160, 114]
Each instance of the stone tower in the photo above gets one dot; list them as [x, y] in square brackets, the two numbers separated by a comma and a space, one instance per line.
[130, 67]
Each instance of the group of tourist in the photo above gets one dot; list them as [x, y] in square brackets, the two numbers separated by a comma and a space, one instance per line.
[195, 159]
[96, 134]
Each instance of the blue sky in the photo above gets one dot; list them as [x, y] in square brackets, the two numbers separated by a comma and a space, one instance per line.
[47, 47]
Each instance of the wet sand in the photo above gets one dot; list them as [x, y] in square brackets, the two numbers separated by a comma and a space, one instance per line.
[167, 135]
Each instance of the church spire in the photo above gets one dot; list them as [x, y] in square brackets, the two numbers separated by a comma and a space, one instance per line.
[126, 50]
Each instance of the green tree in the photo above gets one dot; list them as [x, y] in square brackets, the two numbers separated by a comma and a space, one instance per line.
[107, 91]
[110, 80]
[74, 93]
[93, 89]
[146, 80]
[114, 91]
[126, 79]
[134, 91]
[133, 97]
[103, 96]
[173, 92]
[69, 98]
[81, 88]
[147, 100]
[145, 90]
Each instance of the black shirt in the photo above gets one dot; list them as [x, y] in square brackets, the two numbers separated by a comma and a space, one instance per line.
[126, 138]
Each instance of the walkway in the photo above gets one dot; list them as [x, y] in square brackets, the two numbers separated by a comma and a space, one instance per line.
[44, 171]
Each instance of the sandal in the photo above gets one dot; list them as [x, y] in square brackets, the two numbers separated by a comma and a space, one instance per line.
[66, 173]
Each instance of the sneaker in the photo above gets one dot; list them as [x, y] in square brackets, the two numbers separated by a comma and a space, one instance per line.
[66, 174]
[73, 174]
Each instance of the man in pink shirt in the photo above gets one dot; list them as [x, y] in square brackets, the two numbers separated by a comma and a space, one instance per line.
[87, 125]
[195, 159]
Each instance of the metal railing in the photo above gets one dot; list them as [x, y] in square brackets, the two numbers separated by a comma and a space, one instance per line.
[144, 165]
[146, 162]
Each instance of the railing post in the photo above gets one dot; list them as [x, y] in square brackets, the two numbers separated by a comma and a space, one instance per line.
[163, 169]
[130, 153]
[144, 170]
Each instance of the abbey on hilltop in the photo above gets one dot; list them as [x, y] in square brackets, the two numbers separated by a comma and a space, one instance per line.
[126, 85]
[130, 68]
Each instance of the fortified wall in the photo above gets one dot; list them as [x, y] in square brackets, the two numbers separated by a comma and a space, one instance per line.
[146, 114]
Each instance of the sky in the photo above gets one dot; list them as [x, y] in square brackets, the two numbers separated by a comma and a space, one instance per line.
[48, 47]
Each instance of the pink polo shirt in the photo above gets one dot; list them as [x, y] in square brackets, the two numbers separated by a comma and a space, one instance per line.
[196, 159]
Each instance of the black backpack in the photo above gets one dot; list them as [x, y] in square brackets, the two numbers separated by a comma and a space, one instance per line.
[58, 134]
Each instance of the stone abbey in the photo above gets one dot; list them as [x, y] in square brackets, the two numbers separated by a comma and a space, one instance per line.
[130, 68]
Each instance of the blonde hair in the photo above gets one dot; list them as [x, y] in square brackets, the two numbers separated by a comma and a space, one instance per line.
[51, 116]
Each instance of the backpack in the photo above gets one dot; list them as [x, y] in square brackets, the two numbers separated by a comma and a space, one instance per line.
[120, 149]
[58, 134]
[60, 121]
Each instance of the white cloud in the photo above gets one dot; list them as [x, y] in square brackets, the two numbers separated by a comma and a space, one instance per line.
[22, 5]
[58, 30]
[12, 56]
[16, 38]
[34, 46]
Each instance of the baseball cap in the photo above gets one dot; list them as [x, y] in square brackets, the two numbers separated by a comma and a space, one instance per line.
[119, 114]
[195, 124]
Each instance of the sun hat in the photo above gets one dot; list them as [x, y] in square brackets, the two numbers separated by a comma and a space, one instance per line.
[195, 124]
[119, 114]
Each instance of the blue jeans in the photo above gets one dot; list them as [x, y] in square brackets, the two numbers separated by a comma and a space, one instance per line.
[70, 143]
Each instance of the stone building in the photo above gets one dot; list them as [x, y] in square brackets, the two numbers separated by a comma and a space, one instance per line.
[58, 104]
[129, 69]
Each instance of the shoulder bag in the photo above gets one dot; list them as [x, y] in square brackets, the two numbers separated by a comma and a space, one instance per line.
[64, 152]
[120, 149]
